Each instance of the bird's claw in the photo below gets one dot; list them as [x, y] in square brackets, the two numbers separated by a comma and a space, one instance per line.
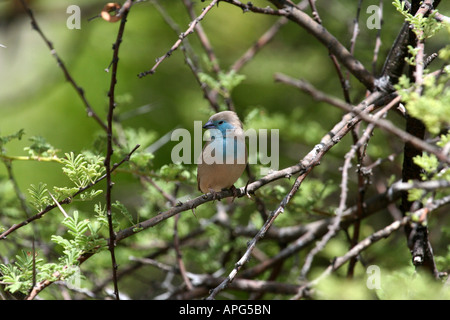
[215, 195]
[235, 192]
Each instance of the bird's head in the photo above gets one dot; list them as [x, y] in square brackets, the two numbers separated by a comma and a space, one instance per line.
[223, 121]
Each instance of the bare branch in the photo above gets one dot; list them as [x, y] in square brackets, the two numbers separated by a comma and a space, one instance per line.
[180, 40]
[291, 11]
[364, 244]
[381, 123]
[78, 89]
[109, 151]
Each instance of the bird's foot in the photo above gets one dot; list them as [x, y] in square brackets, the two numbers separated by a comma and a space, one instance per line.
[235, 192]
[215, 195]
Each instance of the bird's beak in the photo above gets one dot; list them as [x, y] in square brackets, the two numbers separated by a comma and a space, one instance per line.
[209, 125]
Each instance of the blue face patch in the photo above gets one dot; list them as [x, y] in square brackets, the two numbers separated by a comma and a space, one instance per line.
[223, 126]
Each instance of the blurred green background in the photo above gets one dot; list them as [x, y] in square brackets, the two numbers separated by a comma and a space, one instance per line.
[35, 96]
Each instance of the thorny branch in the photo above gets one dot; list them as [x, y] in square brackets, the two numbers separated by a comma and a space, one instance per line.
[338, 262]
[67, 75]
[109, 151]
[181, 37]
[293, 13]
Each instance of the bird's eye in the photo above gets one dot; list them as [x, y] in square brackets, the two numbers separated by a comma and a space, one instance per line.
[221, 122]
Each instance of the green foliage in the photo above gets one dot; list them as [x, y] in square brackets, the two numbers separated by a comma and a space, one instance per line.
[430, 102]
[423, 27]
[123, 210]
[39, 196]
[142, 159]
[83, 170]
[18, 276]
[402, 284]
[225, 82]
[175, 171]
[336, 288]
[40, 148]
[80, 242]
[84, 237]
[411, 60]
[431, 171]
[431, 106]
[5, 139]
[428, 163]
[408, 285]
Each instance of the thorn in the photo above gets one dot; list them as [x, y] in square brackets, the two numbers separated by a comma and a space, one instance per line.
[58, 205]
[193, 212]
[245, 190]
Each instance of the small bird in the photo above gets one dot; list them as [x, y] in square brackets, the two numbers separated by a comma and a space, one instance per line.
[224, 156]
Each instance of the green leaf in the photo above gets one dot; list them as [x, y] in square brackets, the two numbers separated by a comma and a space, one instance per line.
[5, 139]
[429, 163]
[89, 195]
[78, 227]
[40, 147]
[224, 83]
[83, 170]
[124, 211]
[175, 172]
[39, 196]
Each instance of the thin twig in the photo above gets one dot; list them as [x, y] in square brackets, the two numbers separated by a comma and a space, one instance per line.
[343, 199]
[181, 37]
[260, 43]
[293, 13]
[203, 37]
[416, 234]
[190, 58]
[58, 205]
[112, 104]
[78, 89]
[362, 245]
[45, 283]
[214, 61]
[381, 123]
[376, 49]
[179, 256]
[263, 40]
